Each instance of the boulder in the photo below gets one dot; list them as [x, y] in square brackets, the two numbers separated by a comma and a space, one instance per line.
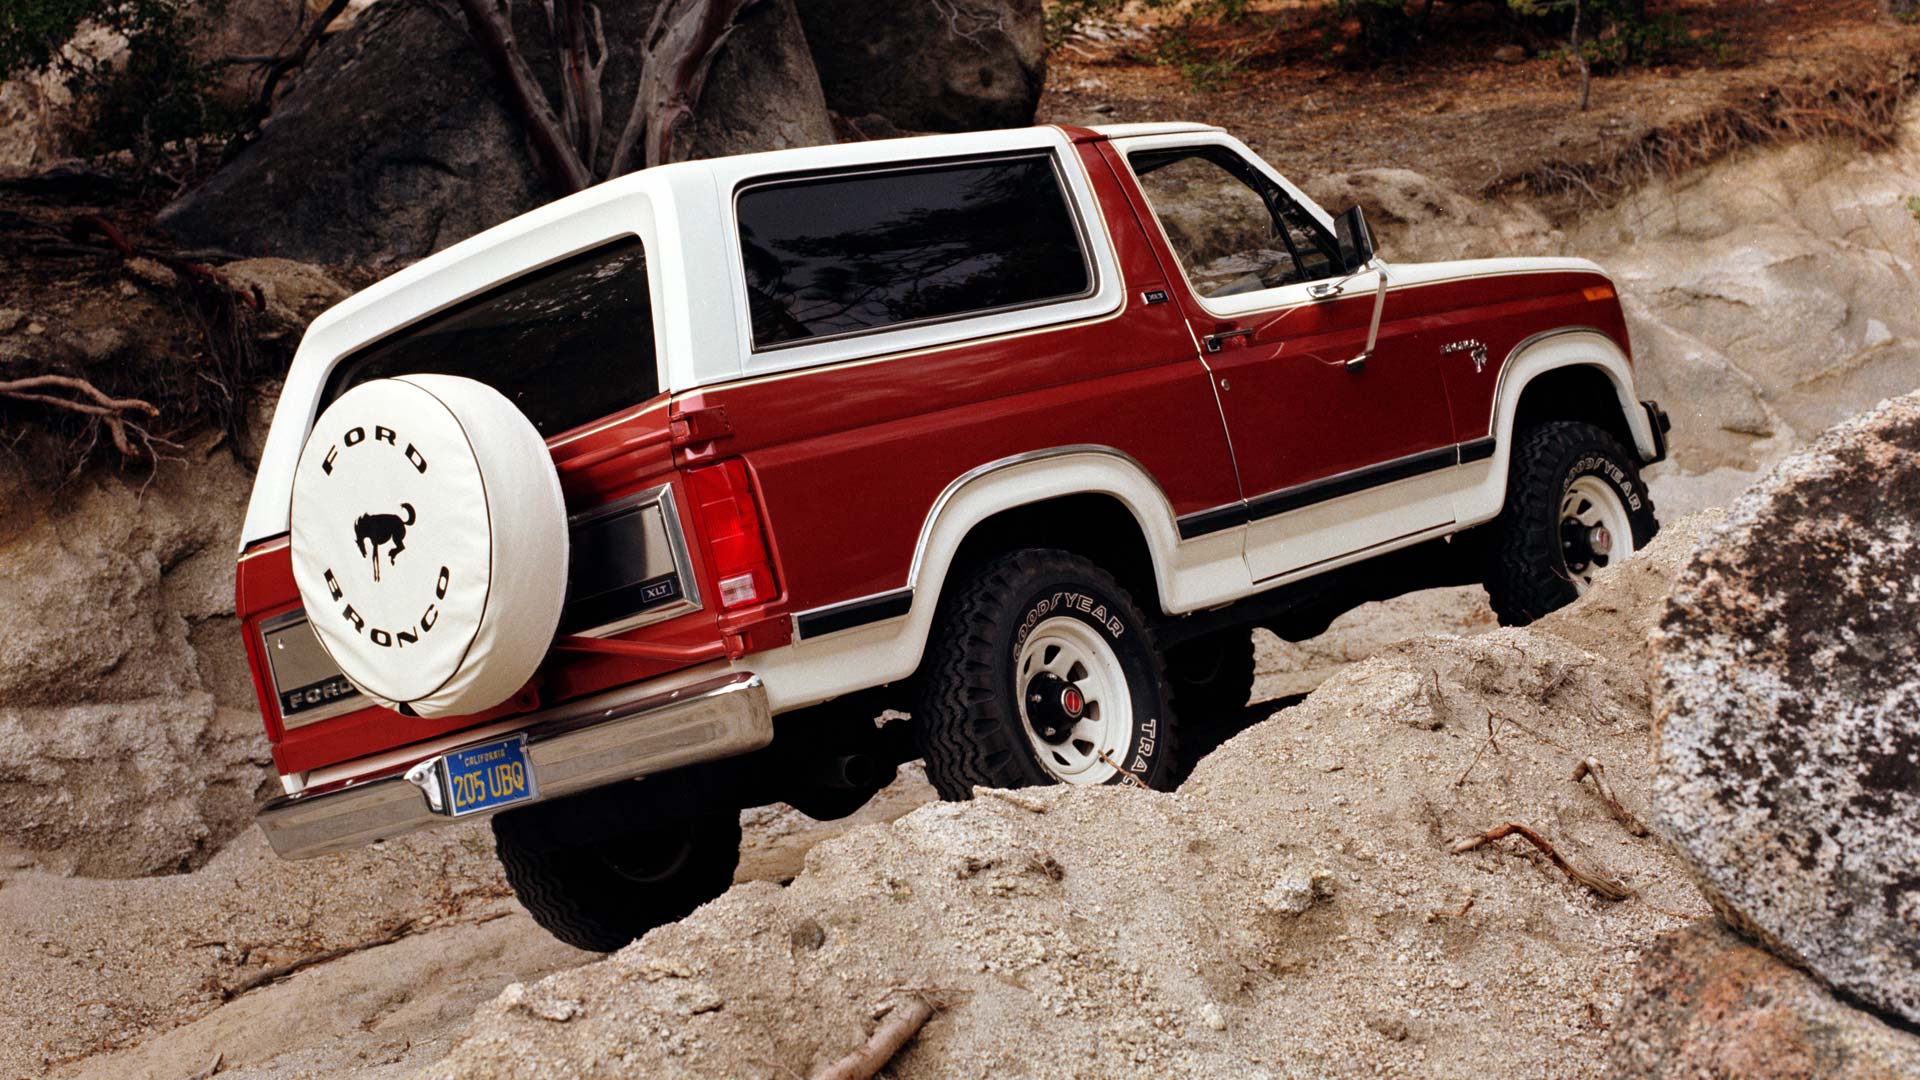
[762, 92]
[941, 65]
[397, 140]
[1789, 711]
[1705, 1005]
[293, 294]
[130, 738]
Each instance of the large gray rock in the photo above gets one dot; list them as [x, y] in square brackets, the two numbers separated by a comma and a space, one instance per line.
[397, 140]
[1789, 705]
[930, 65]
[130, 738]
[1705, 1005]
[762, 92]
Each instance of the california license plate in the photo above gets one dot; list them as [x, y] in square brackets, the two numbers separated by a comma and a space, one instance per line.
[487, 776]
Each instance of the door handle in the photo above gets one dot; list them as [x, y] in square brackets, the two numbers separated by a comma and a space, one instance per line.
[1218, 338]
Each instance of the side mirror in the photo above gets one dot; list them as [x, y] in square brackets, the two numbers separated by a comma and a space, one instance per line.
[1354, 238]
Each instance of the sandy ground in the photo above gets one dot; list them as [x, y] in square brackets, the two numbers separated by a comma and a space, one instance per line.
[98, 966]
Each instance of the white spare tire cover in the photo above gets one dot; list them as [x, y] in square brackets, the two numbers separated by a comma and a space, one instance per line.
[430, 542]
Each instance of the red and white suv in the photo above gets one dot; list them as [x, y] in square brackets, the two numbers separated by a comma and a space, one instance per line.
[690, 476]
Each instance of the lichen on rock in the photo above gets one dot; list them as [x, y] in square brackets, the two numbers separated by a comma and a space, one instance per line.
[1789, 709]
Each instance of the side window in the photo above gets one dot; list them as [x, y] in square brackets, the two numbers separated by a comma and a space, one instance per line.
[567, 343]
[1233, 229]
[835, 255]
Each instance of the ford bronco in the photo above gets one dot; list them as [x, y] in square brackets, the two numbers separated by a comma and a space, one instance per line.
[640, 508]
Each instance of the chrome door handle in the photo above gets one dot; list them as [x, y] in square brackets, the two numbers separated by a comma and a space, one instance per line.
[1214, 341]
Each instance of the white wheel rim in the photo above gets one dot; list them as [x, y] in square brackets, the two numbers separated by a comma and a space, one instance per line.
[1593, 517]
[1076, 653]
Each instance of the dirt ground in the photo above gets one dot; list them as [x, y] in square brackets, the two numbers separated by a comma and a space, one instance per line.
[1451, 110]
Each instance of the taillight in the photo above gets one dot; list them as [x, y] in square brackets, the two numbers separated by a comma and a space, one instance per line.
[736, 544]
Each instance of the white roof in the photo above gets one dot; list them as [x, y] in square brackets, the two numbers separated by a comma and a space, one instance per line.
[1177, 127]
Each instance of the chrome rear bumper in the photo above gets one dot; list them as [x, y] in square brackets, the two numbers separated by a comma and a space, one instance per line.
[577, 746]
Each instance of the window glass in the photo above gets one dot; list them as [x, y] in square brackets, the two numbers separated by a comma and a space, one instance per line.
[568, 343]
[1233, 229]
[840, 254]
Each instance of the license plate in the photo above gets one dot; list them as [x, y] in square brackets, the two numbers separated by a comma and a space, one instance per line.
[487, 776]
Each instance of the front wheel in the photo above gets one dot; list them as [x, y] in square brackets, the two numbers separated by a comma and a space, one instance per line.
[1576, 507]
[1041, 670]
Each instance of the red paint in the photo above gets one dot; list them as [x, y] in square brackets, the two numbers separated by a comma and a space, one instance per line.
[835, 469]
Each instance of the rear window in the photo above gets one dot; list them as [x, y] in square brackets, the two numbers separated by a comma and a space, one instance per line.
[835, 255]
[568, 343]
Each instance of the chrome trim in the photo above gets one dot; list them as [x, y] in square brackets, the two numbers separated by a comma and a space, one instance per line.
[1506, 364]
[1025, 458]
[662, 497]
[353, 702]
[577, 746]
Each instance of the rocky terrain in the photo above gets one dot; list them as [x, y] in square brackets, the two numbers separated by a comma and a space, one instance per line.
[1302, 907]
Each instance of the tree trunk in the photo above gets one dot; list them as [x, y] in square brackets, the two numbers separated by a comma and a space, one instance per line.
[674, 60]
[1579, 57]
[566, 172]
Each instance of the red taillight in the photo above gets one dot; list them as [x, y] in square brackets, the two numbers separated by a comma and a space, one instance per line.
[736, 545]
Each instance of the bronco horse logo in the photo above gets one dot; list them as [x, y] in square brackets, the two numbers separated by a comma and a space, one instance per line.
[380, 529]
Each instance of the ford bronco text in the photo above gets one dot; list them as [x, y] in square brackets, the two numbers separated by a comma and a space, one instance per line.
[639, 508]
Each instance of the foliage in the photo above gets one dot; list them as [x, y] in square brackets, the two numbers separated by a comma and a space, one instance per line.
[33, 32]
[1386, 26]
[159, 93]
[1616, 33]
[1913, 207]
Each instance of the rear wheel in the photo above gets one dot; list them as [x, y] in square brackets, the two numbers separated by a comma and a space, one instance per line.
[1041, 670]
[1576, 507]
[599, 890]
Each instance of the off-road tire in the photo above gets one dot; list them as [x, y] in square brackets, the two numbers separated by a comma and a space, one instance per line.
[967, 718]
[1526, 574]
[579, 893]
[1213, 677]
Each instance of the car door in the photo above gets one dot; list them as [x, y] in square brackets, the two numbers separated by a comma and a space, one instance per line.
[1338, 450]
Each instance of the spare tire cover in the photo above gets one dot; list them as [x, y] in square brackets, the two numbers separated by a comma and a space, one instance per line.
[429, 542]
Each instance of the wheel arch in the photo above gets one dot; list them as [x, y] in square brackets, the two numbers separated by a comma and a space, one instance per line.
[1128, 527]
[1571, 373]
[1095, 501]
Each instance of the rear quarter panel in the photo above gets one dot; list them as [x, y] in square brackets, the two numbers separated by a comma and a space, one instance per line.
[850, 458]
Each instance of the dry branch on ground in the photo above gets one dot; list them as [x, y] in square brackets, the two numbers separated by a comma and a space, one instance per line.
[1603, 887]
[901, 1024]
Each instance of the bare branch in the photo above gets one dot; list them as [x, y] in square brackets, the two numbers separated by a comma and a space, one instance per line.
[900, 1025]
[280, 971]
[559, 159]
[115, 414]
[1591, 769]
[1605, 888]
[278, 67]
[580, 99]
[675, 57]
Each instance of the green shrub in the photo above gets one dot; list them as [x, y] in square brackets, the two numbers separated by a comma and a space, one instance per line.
[158, 94]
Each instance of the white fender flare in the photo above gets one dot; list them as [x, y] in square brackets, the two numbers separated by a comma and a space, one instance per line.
[1482, 496]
